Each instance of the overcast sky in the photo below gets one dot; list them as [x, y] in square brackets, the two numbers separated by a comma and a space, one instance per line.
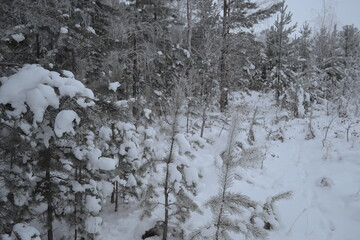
[342, 12]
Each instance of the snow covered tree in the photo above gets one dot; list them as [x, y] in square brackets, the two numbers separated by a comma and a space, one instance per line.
[349, 40]
[170, 179]
[226, 203]
[279, 53]
[47, 107]
[238, 15]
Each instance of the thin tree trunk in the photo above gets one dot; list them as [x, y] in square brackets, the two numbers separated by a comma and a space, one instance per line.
[116, 195]
[218, 223]
[279, 91]
[166, 185]
[189, 23]
[223, 59]
[203, 121]
[49, 213]
[188, 118]
[135, 74]
[166, 191]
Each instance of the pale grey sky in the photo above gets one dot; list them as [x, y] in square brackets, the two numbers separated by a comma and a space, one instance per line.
[344, 11]
[341, 12]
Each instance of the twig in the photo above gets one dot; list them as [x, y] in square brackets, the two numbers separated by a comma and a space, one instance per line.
[327, 130]
[296, 220]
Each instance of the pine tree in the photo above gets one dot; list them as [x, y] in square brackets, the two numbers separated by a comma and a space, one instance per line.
[226, 203]
[279, 53]
[237, 15]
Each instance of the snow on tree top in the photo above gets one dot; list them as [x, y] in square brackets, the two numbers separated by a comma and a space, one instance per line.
[64, 122]
[33, 87]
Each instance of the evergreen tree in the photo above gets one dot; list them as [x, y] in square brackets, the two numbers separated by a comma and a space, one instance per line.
[280, 53]
[236, 15]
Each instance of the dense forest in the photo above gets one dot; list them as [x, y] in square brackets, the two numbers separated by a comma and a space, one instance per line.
[109, 108]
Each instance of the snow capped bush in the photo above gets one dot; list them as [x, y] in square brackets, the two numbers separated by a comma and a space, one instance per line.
[34, 87]
[24, 231]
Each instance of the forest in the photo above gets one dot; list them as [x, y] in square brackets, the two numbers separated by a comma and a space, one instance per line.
[176, 120]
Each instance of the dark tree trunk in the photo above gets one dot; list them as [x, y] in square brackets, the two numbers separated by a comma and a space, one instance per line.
[49, 213]
[116, 196]
[224, 85]
[166, 191]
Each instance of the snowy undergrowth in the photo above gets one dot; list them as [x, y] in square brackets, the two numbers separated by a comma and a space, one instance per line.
[324, 175]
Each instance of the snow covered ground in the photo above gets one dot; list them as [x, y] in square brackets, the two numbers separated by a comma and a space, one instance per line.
[324, 176]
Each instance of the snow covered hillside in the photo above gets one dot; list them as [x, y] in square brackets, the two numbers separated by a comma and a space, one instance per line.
[323, 175]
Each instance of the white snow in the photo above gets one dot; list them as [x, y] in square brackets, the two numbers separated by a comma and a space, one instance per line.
[131, 182]
[122, 103]
[191, 175]
[174, 174]
[158, 93]
[93, 224]
[147, 113]
[25, 232]
[19, 37]
[64, 122]
[106, 188]
[187, 53]
[150, 132]
[183, 144]
[91, 30]
[68, 74]
[76, 186]
[33, 87]
[64, 30]
[105, 133]
[107, 164]
[92, 204]
[114, 86]
[325, 180]
[149, 143]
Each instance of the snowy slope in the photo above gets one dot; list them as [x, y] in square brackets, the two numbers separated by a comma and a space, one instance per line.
[325, 180]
